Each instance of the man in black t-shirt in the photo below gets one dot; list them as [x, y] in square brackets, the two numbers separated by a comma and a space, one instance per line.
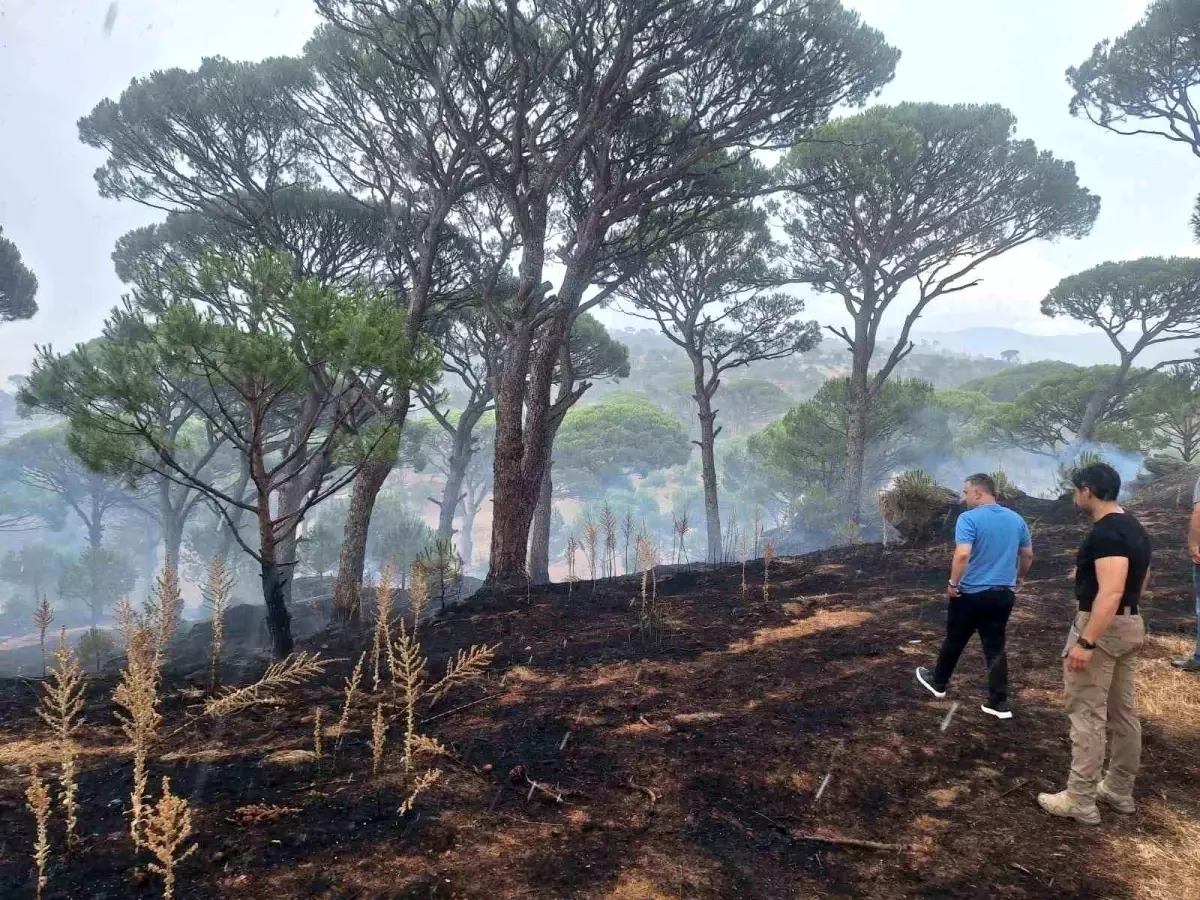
[1111, 570]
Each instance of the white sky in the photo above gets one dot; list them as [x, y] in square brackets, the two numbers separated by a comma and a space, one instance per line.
[56, 63]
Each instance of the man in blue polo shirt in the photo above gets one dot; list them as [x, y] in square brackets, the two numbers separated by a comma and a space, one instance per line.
[991, 556]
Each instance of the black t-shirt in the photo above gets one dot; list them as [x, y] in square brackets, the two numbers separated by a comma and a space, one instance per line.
[1117, 534]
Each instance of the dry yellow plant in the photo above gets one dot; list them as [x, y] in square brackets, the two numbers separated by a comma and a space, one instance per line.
[43, 615]
[412, 671]
[418, 595]
[378, 738]
[650, 613]
[137, 696]
[572, 549]
[352, 684]
[424, 782]
[768, 557]
[218, 586]
[37, 797]
[381, 637]
[467, 665]
[608, 521]
[318, 735]
[168, 827]
[591, 534]
[164, 611]
[61, 708]
[125, 618]
[294, 670]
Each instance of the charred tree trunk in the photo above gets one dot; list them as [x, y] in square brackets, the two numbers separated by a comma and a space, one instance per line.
[277, 595]
[856, 441]
[539, 544]
[708, 463]
[347, 607]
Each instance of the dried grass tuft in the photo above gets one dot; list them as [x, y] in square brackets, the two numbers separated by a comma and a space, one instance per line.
[1167, 695]
[381, 636]
[218, 586]
[591, 535]
[295, 670]
[466, 666]
[418, 593]
[572, 576]
[650, 612]
[43, 615]
[1170, 861]
[768, 558]
[37, 798]
[137, 696]
[352, 684]
[61, 708]
[317, 735]
[168, 827]
[412, 673]
[378, 738]
[424, 782]
[164, 611]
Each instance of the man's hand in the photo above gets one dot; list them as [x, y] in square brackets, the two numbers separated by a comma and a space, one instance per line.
[1194, 552]
[1078, 658]
[952, 593]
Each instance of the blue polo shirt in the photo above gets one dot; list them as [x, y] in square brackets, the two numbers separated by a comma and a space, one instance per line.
[996, 535]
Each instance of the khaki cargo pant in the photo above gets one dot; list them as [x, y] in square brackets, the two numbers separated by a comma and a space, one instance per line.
[1101, 704]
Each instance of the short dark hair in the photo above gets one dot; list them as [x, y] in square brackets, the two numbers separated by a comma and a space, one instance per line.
[1100, 478]
[983, 481]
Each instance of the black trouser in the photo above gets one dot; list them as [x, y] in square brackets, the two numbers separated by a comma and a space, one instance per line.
[986, 612]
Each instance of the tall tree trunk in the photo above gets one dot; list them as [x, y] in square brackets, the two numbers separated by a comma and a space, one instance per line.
[452, 495]
[466, 547]
[353, 556]
[539, 542]
[352, 559]
[1099, 399]
[856, 441]
[708, 466]
[515, 495]
[172, 541]
[277, 595]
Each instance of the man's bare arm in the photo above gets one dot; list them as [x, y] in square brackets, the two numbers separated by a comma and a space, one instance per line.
[1111, 572]
[958, 565]
[1024, 562]
[1194, 534]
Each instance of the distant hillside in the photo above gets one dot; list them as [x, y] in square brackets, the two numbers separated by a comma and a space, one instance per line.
[1083, 349]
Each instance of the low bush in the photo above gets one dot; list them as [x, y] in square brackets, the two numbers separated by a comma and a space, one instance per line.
[914, 504]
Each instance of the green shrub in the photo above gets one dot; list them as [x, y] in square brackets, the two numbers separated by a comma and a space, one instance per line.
[914, 504]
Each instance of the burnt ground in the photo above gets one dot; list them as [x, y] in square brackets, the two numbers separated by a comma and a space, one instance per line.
[691, 770]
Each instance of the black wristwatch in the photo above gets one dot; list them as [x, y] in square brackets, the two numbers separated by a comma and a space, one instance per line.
[1085, 643]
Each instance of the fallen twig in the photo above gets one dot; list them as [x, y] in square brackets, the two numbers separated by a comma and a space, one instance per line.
[846, 842]
[535, 786]
[645, 790]
[448, 712]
